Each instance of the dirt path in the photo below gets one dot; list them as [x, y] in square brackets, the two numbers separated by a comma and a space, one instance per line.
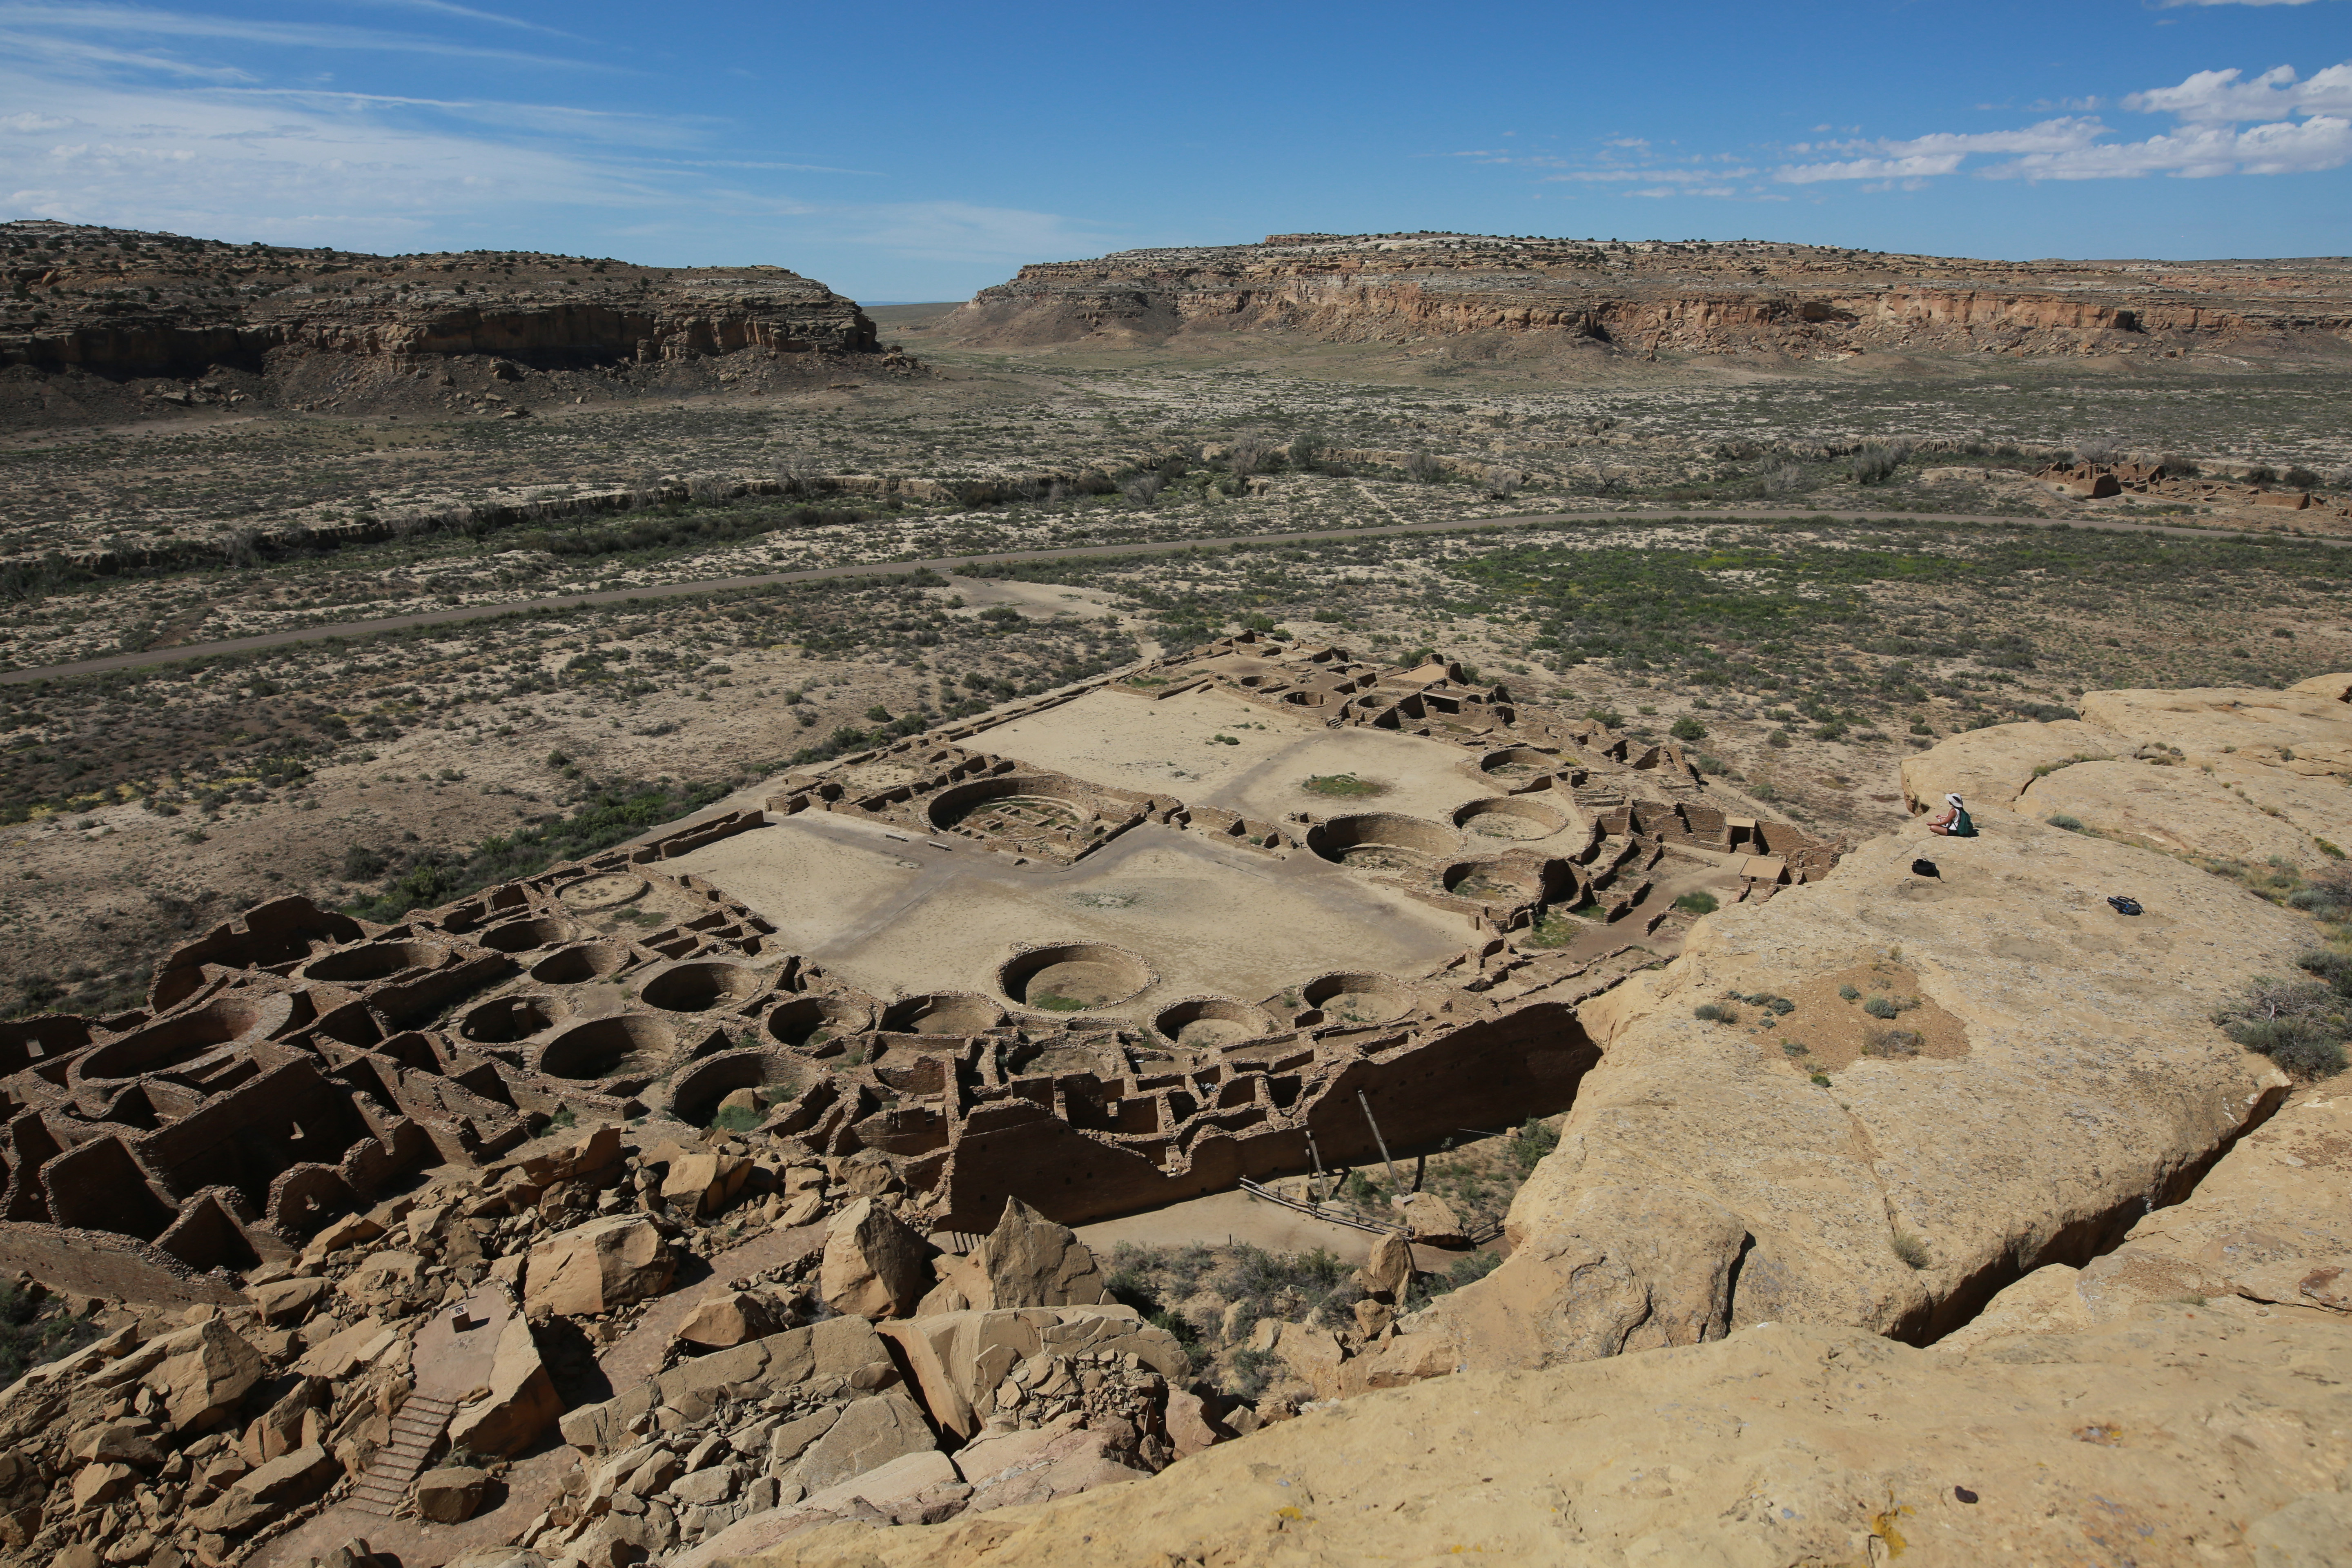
[1068, 552]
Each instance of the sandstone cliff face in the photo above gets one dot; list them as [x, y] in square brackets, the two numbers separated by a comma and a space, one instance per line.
[1802, 300]
[1705, 1179]
[123, 303]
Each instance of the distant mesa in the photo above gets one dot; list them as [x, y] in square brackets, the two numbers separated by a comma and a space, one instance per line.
[103, 323]
[1646, 297]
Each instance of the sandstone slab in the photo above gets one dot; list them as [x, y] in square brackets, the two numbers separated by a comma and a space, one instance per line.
[522, 1403]
[594, 1267]
[874, 1266]
[451, 1494]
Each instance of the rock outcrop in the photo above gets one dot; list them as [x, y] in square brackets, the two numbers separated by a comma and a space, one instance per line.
[2080, 1064]
[258, 323]
[1651, 296]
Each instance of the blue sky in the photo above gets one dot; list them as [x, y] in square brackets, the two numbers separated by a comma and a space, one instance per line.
[918, 152]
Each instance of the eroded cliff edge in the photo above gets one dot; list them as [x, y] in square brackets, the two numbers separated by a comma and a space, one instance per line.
[1648, 295]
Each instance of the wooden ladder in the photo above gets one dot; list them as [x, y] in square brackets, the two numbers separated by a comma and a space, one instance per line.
[384, 1488]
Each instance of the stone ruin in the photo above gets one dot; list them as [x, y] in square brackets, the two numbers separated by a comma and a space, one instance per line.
[295, 1064]
[2096, 481]
[322, 1133]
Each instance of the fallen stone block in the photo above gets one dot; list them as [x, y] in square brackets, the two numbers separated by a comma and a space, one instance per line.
[960, 1359]
[1026, 1261]
[263, 1494]
[206, 1370]
[869, 1434]
[594, 1267]
[452, 1494]
[288, 1300]
[522, 1403]
[874, 1266]
[699, 1185]
[1191, 1427]
[729, 1317]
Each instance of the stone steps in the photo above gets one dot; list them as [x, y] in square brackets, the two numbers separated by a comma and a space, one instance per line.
[383, 1489]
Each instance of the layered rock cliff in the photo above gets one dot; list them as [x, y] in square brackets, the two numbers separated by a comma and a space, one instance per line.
[1647, 295]
[123, 304]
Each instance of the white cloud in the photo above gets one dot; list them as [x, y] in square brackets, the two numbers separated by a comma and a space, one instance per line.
[2219, 98]
[2208, 103]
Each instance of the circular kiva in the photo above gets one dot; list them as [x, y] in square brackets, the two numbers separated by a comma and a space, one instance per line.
[373, 961]
[941, 1013]
[1073, 977]
[172, 1040]
[604, 1047]
[526, 936]
[1510, 816]
[608, 891]
[1358, 998]
[694, 1093]
[700, 986]
[818, 1024]
[1207, 1023]
[1015, 807]
[1517, 763]
[1381, 841]
[572, 965]
[503, 1020]
[1492, 881]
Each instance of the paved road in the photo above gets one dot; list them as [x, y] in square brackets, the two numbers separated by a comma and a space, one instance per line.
[1068, 553]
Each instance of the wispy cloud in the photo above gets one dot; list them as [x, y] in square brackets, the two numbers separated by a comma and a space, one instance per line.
[146, 22]
[2225, 124]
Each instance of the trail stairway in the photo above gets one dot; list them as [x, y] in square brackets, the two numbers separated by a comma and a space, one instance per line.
[383, 1489]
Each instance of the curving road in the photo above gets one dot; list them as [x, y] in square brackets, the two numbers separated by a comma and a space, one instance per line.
[463, 612]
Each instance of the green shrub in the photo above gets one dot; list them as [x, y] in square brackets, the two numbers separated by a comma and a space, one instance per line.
[33, 1329]
[736, 1119]
[2060, 819]
[2332, 965]
[1535, 1139]
[1342, 785]
[1893, 1043]
[2298, 1024]
[1697, 903]
[1715, 1012]
[1849, 992]
[1909, 1249]
[1881, 1007]
[1686, 729]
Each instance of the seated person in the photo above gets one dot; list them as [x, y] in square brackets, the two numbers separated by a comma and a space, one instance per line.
[1955, 823]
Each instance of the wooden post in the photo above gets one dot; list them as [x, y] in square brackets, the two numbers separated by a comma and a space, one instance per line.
[1317, 1154]
[1394, 1180]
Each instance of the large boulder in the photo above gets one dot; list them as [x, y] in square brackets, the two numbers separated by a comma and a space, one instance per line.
[874, 1266]
[263, 1494]
[205, 1372]
[961, 1360]
[870, 1433]
[728, 1318]
[594, 1267]
[699, 1185]
[1026, 1261]
[840, 1352]
[452, 1494]
[522, 1403]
